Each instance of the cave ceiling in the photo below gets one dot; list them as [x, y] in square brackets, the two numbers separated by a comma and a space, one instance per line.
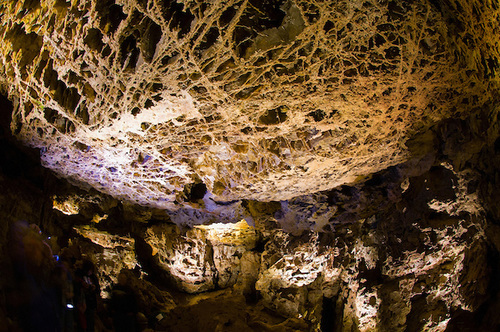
[154, 102]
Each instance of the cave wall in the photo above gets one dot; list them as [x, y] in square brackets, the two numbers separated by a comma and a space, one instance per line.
[410, 248]
[400, 232]
[257, 100]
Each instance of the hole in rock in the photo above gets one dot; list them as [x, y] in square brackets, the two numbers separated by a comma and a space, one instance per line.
[81, 146]
[50, 114]
[195, 191]
[179, 19]
[209, 39]
[149, 39]
[318, 115]
[29, 44]
[258, 16]
[274, 116]
[111, 15]
[83, 114]
[129, 53]
[227, 16]
[94, 39]
[329, 25]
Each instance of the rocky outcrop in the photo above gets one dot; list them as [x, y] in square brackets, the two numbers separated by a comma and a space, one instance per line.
[204, 258]
[414, 256]
[413, 259]
[111, 253]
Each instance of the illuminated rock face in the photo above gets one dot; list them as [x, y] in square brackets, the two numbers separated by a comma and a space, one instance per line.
[397, 270]
[411, 248]
[117, 253]
[359, 139]
[144, 100]
[204, 258]
[410, 265]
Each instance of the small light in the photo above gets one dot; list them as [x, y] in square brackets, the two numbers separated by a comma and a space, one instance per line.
[69, 306]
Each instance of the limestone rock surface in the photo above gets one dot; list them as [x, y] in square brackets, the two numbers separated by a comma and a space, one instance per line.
[162, 102]
[204, 258]
[298, 165]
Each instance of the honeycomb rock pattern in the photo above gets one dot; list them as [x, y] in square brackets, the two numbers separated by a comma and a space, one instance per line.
[204, 258]
[394, 271]
[255, 99]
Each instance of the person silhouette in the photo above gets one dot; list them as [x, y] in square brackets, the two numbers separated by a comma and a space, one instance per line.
[123, 305]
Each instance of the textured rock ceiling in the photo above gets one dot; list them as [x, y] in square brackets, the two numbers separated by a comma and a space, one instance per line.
[151, 101]
[247, 103]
